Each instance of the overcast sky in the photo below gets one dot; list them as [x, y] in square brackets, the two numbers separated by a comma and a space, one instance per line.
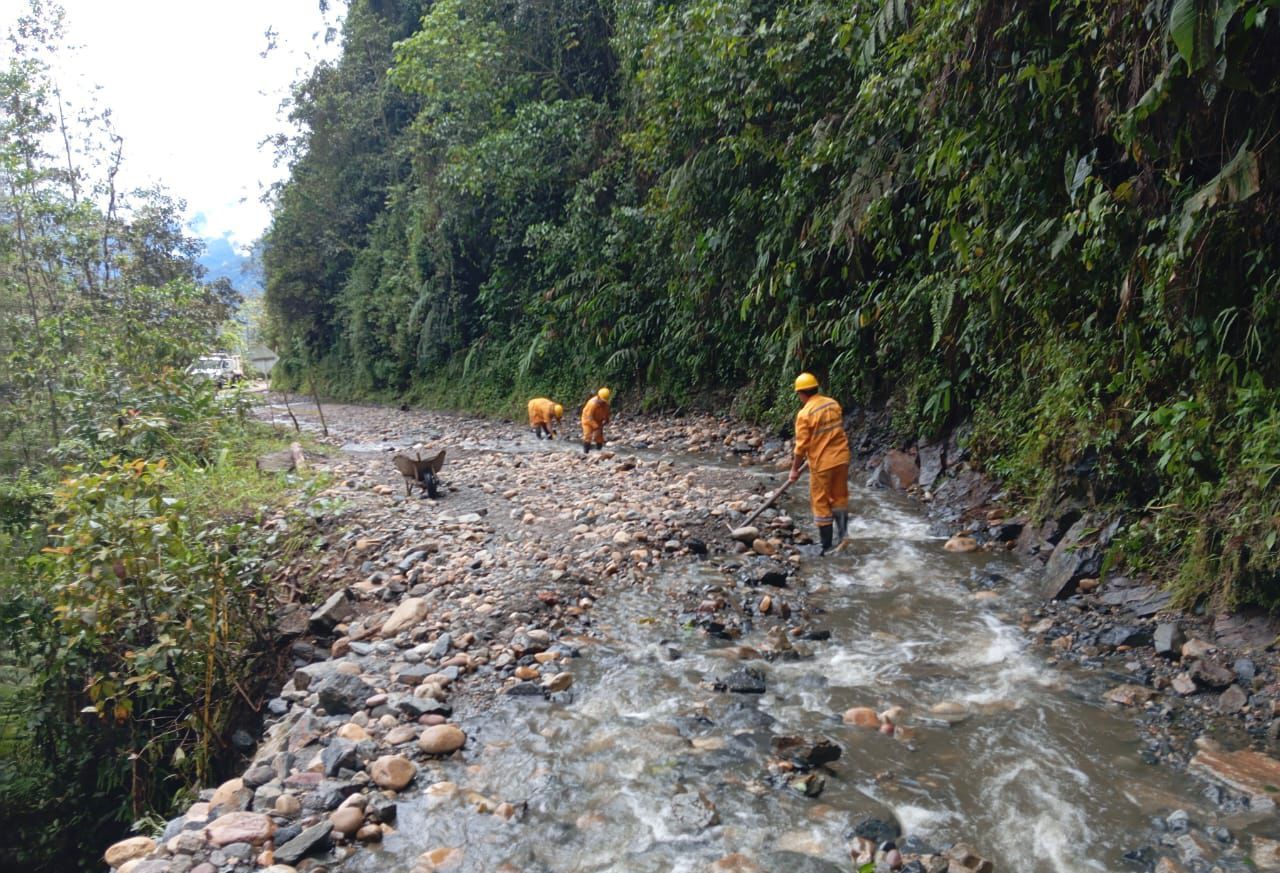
[191, 93]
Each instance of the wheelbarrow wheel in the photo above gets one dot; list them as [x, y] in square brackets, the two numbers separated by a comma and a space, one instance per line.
[431, 484]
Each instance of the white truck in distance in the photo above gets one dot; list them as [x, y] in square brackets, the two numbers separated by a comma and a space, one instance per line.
[221, 369]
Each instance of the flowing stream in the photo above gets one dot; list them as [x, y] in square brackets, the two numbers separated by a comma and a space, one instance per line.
[647, 768]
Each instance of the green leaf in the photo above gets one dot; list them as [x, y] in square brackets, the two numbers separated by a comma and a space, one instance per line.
[1191, 27]
[1237, 181]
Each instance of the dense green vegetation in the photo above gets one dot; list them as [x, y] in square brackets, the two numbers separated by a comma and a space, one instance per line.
[1047, 217]
[138, 538]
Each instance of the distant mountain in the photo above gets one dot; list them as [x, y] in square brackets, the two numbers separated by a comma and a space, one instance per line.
[223, 260]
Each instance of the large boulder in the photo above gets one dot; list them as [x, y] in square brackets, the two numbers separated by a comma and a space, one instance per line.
[902, 468]
[1078, 555]
[932, 462]
[1251, 773]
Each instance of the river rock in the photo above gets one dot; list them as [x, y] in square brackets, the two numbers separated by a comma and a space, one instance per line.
[347, 820]
[401, 734]
[806, 752]
[950, 711]
[440, 859]
[393, 772]
[763, 547]
[1078, 555]
[343, 693]
[256, 777]
[287, 806]
[1210, 675]
[691, 811]
[410, 612]
[877, 830]
[960, 544]
[127, 850]
[339, 754]
[1195, 648]
[932, 462]
[964, 860]
[807, 784]
[442, 739]
[254, 828]
[763, 571]
[156, 865]
[863, 717]
[1232, 700]
[1183, 684]
[745, 680]
[1265, 854]
[265, 797]
[1253, 774]
[313, 838]
[734, 863]
[334, 611]
[746, 535]
[902, 469]
[1168, 639]
[353, 732]
[1129, 695]
[231, 796]
[1124, 635]
[558, 682]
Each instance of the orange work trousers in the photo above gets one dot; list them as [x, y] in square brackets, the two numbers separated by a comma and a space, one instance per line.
[828, 491]
[593, 433]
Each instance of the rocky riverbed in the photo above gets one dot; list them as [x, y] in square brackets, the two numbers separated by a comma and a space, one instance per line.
[567, 663]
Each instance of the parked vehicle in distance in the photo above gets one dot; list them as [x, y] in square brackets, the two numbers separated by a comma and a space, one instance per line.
[219, 368]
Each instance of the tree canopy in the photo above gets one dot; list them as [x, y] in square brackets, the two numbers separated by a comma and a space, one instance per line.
[1046, 217]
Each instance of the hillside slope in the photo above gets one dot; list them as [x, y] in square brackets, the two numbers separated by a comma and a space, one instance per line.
[1048, 218]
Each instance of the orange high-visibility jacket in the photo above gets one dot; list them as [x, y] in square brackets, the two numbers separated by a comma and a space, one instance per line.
[820, 435]
[595, 414]
[541, 411]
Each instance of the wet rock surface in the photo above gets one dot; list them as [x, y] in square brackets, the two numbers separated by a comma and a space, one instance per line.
[451, 642]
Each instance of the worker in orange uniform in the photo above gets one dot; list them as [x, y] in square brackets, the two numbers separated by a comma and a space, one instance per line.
[595, 414]
[545, 417]
[821, 440]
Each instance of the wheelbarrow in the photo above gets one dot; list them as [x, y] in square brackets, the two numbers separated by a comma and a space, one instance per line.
[420, 472]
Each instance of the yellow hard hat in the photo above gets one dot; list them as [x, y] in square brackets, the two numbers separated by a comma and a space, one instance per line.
[806, 382]
[559, 411]
[604, 394]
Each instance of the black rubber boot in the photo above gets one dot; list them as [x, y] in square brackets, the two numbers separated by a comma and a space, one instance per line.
[842, 524]
[586, 447]
[824, 534]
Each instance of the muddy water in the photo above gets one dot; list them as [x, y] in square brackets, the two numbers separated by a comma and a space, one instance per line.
[644, 767]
